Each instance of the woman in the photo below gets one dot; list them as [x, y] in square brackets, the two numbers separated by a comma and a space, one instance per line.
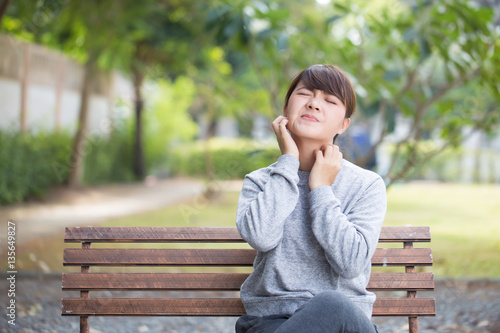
[313, 217]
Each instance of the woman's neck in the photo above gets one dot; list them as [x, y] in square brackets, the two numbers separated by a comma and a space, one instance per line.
[306, 153]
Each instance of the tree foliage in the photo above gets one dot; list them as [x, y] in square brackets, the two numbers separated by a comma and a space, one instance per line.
[431, 64]
[413, 61]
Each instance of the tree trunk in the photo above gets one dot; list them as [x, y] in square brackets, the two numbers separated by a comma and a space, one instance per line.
[79, 143]
[24, 88]
[211, 190]
[4, 4]
[59, 92]
[139, 169]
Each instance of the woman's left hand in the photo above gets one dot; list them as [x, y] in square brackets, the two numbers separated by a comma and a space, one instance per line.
[326, 166]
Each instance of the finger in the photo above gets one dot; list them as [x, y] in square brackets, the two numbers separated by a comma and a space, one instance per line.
[338, 158]
[277, 121]
[276, 124]
[279, 118]
[329, 151]
[283, 124]
[318, 154]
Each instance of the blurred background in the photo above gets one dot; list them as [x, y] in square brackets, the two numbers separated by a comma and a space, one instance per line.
[151, 113]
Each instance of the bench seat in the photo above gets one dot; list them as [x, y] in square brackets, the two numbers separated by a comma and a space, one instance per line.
[116, 256]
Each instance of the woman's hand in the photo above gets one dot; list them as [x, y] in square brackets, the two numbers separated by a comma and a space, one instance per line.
[285, 141]
[326, 166]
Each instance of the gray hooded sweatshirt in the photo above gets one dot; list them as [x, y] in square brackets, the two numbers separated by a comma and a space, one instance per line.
[309, 241]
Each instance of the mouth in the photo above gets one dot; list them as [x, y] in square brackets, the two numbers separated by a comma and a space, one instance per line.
[310, 117]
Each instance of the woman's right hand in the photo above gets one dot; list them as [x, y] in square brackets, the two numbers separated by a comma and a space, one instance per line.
[285, 141]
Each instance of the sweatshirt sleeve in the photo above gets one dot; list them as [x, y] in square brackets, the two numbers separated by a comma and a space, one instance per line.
[349, 241]
[265, 201]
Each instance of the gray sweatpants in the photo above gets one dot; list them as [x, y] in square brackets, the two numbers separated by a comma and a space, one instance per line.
[329, 311]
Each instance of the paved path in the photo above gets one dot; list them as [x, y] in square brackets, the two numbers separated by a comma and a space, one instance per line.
[90, 205]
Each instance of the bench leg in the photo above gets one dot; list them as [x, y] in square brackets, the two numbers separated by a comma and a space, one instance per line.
[84, 324]
[413, 323]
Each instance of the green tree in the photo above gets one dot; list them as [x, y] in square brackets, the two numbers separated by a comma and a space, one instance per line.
[160, 45]
[4, 4]
[149, 40]
[264, 31]
[412, 61]
[405, 59]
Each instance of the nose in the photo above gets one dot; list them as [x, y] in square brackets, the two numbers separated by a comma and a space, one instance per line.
[313, 105]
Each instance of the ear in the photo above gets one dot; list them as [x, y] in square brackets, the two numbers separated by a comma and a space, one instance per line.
[344, 126]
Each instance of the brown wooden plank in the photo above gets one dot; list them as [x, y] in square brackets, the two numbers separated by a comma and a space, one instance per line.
[401, 281]
[153, 281]
[405, 234]
[165, 257]
[402, 257]
[153, 307]
[218, 307]
[217, 257]
[207, 234]
[218, 281]
[406, 307]
[151, 234]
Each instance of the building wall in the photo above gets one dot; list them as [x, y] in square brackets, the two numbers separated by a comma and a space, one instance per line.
[52, 85]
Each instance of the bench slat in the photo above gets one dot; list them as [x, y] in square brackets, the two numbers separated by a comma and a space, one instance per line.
[402, 257]
[406, 307]
[216, 257]
[401, 281]
[165, 257]
[207, 234]
[218, 281]
[153, 307]
[405, 234]
[152, 234]
[153, 281]
[217, 307]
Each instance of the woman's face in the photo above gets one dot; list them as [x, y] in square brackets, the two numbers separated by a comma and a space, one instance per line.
[315, 115]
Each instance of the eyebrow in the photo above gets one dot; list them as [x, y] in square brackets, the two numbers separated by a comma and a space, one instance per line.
[304, 87]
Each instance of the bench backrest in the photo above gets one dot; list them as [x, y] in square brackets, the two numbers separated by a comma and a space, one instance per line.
[114, 255]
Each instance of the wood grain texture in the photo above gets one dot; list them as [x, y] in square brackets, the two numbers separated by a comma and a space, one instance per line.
[217, 307]
[153, 307]
[406, 307]
[153, 281]
[163, 257]
[405, 234]
[207, 234]
[402, 257]
[401, 281]
[218, 281]
[215, 257]
[152, 234]
[411, 282]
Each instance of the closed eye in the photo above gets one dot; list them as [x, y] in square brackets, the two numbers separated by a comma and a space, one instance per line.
[304, 91]
[331, 102]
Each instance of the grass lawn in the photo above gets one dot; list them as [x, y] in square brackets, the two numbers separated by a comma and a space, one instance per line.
[464, 222]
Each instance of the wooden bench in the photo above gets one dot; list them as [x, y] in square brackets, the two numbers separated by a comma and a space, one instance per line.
[109, 279]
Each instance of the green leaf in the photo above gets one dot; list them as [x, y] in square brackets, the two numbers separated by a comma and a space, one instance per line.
[217, 15]
[392, 74]
[334, 18]
[282, 41]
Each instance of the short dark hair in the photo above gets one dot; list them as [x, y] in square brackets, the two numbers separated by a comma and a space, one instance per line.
[330, 79]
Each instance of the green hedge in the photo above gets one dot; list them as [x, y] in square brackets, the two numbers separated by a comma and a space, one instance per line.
[32, 163]
[231, 159]
[25, 164]
[110, 159]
